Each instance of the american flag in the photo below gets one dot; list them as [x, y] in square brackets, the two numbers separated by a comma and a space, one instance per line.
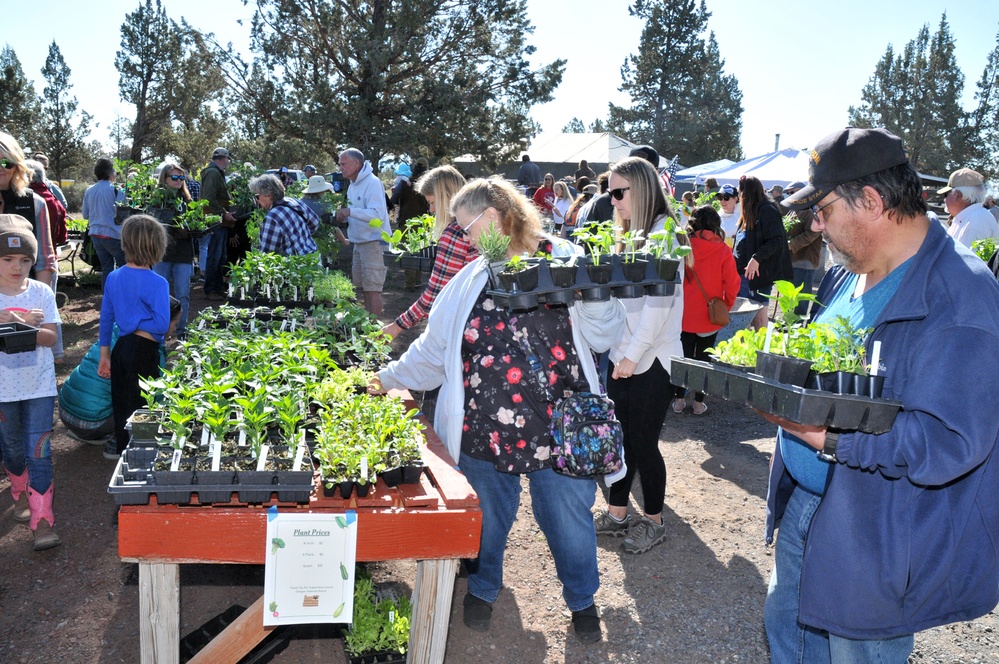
[670, 173]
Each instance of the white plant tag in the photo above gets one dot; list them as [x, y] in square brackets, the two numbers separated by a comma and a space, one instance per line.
[216, 453]
[299, 456]
[267, 291]
[262, 459]
[242, 293]
[284, 325]
[242, 437]
[364, 469]
[175, 461]
[201, 324]
[204, 435]
[293, 324]
[312, 293]
[294, 292]
[232, 289]
[253, 325]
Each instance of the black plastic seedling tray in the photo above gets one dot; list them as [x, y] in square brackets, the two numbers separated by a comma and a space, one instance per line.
[584, 289]
[797, 404]
[17, 338]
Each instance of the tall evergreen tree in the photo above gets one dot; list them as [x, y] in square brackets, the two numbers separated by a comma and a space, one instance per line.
[984, 120]
[915, 95]
[19, 104]
[166, 76]
[574, 126]
[64, 128]
[682, 102]
[442, 77]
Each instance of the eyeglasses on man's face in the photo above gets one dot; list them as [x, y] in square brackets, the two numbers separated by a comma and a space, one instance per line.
[817, 209]
[726, 197]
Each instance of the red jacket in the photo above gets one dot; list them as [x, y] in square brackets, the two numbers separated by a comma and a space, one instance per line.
[715, 267]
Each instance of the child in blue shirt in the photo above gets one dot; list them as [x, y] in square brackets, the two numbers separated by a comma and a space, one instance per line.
[138, 301]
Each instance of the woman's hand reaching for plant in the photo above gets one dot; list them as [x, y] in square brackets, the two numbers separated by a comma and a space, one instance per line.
[375, 386]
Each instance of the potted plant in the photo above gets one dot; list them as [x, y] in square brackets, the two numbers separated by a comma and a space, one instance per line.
[599, 239]
[519, 275]
[783, 366]
[493, 245]
[563, 271]
[666, 250]
[633, 267]
[379, 632]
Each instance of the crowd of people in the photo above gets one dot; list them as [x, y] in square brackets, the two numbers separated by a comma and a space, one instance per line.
[908, 517]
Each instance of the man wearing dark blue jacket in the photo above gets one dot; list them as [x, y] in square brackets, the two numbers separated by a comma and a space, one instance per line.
[882, 536]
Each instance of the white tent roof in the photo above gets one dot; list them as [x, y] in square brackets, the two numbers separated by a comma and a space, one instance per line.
[689, 173]
[600, 148]
[772, 168]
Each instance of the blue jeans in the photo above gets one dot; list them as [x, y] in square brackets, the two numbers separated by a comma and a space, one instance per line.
[803, 276]
[110, 254]
[216, 256]
[178, 275]
[25, 439]
[561, 507]
[203, 253]
[792, 642]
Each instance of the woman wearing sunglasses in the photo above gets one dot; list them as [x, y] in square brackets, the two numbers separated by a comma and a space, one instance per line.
[177, 264]
[493, 413]
[761, 252]
[639, 383]
[15, 177]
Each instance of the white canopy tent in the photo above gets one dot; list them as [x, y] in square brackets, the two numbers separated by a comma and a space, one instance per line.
[780, 167]
[688, 174]
[560, 153]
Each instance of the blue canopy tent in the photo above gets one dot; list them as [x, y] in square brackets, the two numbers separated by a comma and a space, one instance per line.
[779, 167]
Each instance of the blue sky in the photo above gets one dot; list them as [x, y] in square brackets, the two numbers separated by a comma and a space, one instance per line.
[800, 65]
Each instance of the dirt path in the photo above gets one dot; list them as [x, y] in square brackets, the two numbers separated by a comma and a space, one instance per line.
[697, 598]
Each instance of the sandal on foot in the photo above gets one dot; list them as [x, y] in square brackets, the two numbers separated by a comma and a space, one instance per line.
[681, 403]
[700, 408]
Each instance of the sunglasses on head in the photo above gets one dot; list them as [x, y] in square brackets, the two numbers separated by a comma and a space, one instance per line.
[176, 177]
[618, 194]
[7, 163]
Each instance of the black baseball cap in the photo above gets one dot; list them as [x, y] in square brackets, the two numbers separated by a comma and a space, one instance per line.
[844, 156]
[646, 152]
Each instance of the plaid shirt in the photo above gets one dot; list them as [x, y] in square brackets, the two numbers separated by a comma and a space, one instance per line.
[453, 253]
[194, 187]
[287, 229]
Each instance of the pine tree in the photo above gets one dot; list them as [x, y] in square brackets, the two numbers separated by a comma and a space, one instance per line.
[19, 104]
[984, 120]
[164, 73]
[436, 77]
[574, 126]
[63, 128]
[682, 102]
[915, 96]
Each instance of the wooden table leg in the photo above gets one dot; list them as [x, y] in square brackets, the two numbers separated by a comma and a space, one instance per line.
[431, 610]
[159, 613]
[238, 639]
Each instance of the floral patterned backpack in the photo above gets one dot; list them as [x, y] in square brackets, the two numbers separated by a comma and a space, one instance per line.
[587, 438]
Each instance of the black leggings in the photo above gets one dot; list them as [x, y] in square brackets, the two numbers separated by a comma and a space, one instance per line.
[640, 403]
[132, 358]
[695, 347]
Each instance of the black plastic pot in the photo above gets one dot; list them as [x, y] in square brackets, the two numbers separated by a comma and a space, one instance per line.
[412, 473]
[837, 382]
[600, 274]
[868, 386]
[17, 338]
[634, 271]
[666, 268]
[523, 280]
[392, 477]
[563, 276]
[783, 369]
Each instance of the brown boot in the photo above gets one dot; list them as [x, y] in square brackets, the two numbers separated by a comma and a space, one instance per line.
[45, 537]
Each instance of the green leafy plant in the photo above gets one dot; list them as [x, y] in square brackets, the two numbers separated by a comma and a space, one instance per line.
[493, 244]
[516, 264]
[631, 240]
[415, 235]
[598, 237]
[984, 248]
[665, 243]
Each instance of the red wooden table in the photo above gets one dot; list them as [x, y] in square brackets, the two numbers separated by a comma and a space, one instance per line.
[436, 523]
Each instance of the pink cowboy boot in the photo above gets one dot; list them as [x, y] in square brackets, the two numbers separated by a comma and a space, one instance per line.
[18, 484]
[42, 519]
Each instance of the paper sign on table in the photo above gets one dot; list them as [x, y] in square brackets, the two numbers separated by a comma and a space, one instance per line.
[309, 568]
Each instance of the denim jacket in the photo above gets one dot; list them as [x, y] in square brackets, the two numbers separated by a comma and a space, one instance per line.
[906, 535]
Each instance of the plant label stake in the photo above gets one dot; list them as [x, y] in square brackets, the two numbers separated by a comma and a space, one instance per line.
[267, 290]
[770, 334]
[311, 293]
[175, 461]
[299, 455]
[242, 437]
[292, 324]
[216, 454]
[262, 459]
[876, 358]
[294, 292]
[284, 325]
[204, 436]
[232, 289]
[364, 469]
[253, 324]
[201, 324]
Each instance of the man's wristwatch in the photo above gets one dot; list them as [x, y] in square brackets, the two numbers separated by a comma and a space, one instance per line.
[828, 451]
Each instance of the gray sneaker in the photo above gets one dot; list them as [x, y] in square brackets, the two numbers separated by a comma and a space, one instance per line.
[605, 524]
[644, 535]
